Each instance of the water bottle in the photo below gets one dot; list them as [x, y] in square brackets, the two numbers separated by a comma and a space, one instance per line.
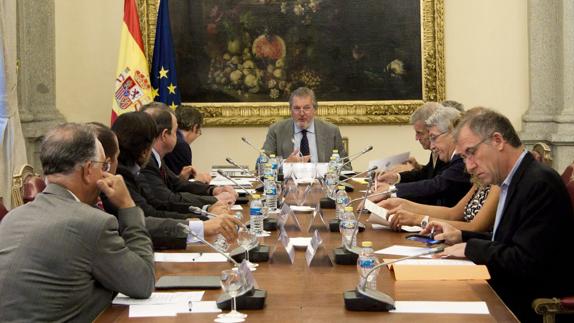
[331, 178]
[338, 160]
[220, 241]
[261, 161]
[347, 225]
[367, 261]
[270, 189]
[341, 200]
[274, 165]
[256, 215]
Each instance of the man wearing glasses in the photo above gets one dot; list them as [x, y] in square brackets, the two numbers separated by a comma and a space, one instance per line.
[304, 138]
[528, 253]
[61, 258]
[448, 187]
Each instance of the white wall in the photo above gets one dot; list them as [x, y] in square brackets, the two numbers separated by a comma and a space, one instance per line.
[486, 54]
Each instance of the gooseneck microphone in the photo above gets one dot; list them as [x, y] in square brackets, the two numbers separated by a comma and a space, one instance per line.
[357, 155]
[220, 172]
[189, 232]
[373, 168]
[230, 161]
[252, 146]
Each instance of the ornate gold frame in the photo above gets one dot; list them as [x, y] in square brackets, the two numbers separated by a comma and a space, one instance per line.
[339, 112]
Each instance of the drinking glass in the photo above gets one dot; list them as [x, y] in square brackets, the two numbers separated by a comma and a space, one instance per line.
[232, 281]
[247, 240]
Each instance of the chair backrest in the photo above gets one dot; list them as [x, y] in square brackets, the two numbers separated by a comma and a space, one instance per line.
[542, 153]
[569, 181]
[3, 209]
[26, 185]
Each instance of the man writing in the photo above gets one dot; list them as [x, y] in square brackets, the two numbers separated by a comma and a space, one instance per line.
[528, 252]
[304, 137]
[61, 259]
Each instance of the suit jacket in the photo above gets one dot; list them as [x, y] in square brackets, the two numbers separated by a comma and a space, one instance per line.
[328, 137]
[445, 189]
[531, 254]
[161, 224]
[63, 260]
[428, 171]
[180, 156]
[166, 190]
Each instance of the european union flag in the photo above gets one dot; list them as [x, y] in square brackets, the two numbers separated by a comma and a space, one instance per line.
[163, 76]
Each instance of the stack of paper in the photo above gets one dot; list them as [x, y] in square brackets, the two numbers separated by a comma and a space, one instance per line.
[167, 304]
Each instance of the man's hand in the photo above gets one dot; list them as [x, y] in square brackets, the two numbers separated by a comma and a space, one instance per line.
[388, 177]
[115, 189]
[394, 202]
[220, 189]
[187, 172]
[414, 163]
[443, 231]
[399, 217]
[203, 177]
[456, 251]
[224, 224]
[295, 157]
[402, 168]
[219, 207]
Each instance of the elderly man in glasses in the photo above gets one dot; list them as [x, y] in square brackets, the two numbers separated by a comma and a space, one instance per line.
[304, 137]
[448, 187]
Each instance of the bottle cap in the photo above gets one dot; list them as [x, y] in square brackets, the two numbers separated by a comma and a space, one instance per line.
[256, 196]
[272, 155]
[341, 187]
[348, 209]
[336, 150]
[367, 244]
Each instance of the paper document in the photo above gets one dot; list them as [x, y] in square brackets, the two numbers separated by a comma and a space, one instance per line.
[159, 298]
[436, 262]
[204, 307]
[438, 269]
[302, 208]
[379, 215]
[403, 251]
[156, 310]
[440, 307]
[300, 242]
[220, 180]
[188, 257]
[360, 180]
[385, 163]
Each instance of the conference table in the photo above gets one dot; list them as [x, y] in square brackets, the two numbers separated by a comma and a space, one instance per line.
[299, 293]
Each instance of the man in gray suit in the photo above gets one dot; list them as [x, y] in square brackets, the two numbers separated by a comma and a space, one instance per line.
[304, 137]
[61, 259]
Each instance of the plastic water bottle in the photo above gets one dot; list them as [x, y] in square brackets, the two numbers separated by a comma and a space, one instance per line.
[347, 225]
[338, 160]
[274, 165]
[261, 161]
[341, 200]
[256, 215]
[331, 178]
[270, 193]
[220, 242]
[366, 261]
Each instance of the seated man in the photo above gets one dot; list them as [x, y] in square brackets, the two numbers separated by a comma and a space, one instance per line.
[528, 253]
[304, 137]
[162, 184]
[448, 187]
[61, 259]
[434, 165]
[136, 132]
[179, 160]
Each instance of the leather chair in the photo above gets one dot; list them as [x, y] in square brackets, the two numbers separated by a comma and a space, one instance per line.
[3, 209]
[542, 153]
[550, 307]
[26, 185]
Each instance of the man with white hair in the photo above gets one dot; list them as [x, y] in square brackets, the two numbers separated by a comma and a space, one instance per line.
[447, 188]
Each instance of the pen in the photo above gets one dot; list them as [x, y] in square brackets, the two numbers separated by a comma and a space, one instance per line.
[190, 304]
[431, 235]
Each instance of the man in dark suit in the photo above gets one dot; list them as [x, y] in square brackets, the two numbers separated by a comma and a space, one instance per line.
[61, 259]
[161, 183]
[303, 134]
[528, 253]
[453, 182]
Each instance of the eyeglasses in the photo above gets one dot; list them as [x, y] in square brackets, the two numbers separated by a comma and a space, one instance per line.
[106, 165]
[304, 109]
[471, 151]
[433, 138]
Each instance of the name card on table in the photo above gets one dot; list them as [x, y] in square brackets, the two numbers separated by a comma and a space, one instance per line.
[318, 222]
[316, 255]
[284, 251]
[287, 219]
[250, 282]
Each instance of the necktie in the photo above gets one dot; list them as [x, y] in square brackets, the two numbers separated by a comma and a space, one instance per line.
[304, 146]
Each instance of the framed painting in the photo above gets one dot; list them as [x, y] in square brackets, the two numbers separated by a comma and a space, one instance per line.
[368, 61]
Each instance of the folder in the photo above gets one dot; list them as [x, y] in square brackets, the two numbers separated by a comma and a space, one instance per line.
[438, 269]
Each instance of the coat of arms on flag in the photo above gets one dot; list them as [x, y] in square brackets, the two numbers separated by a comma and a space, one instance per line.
[130, 90]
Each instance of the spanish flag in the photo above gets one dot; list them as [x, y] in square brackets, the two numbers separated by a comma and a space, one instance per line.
[132, 85]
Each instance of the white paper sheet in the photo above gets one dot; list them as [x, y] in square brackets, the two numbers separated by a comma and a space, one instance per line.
[237, 207]
[403, 251]
[300, 242]
[302, 208]
[159, 298]
[203, 307]
[440, 307]
[436, 262]
[385, 163]
[379, 215]
[188, 257]
[243, 181]
[156, 310]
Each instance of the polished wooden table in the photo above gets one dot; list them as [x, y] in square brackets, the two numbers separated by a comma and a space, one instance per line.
[298, 293]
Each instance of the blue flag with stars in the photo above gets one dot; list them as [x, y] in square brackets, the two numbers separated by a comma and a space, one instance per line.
[162, 75]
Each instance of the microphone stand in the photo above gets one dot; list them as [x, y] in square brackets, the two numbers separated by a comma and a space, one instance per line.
[364, 151]
[366, 299]
[220, 172]
[330, 203]
[229, 160]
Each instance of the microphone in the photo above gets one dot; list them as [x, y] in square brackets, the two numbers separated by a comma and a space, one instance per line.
[389, 191]
[198, 210]
[365, 150]
[365, 299]
[373, 168]
[229, 160]
[359, 154]
[189, 232]
[220, 172]
[252, 146]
